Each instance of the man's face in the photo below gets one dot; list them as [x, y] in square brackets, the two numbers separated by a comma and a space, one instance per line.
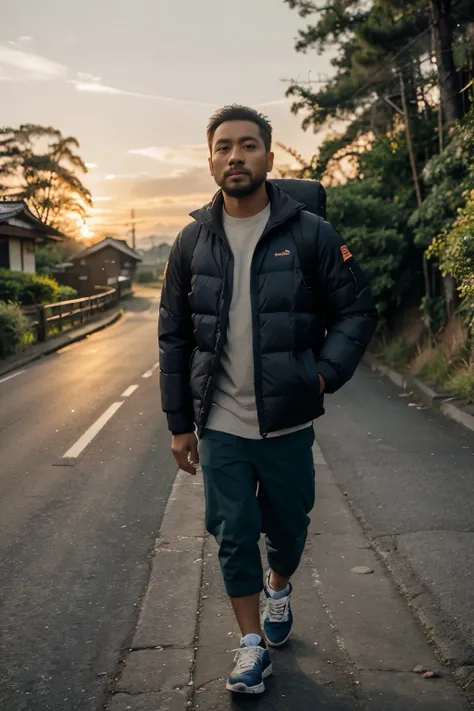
[239, 162]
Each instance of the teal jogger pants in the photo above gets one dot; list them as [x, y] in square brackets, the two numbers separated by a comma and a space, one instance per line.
[283, 469]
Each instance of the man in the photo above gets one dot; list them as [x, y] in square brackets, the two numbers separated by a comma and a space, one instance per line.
[245, 360]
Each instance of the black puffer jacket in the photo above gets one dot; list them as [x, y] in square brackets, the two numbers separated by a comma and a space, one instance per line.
[289, 343]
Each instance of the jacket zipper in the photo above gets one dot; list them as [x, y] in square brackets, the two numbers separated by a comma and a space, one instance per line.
[257, 366]
[354, 280]
[217, 346]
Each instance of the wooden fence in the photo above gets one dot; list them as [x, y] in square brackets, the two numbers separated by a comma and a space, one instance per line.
[50, 319]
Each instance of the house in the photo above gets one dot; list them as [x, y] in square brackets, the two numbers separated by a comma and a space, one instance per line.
[110, 262]
[20, 232]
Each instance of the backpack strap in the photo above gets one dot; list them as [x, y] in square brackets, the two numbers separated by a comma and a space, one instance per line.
[306, 253]
[306, 249]
[188, 241]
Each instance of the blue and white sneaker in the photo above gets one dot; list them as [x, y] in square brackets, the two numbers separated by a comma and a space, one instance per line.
[278, 620]
[253, 665]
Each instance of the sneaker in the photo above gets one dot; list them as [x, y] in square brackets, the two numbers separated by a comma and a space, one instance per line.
[253, 665]
[278, 621]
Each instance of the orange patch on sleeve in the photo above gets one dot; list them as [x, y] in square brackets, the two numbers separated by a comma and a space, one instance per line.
[345, 253]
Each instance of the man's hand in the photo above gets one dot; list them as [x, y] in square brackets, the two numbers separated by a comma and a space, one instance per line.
[322, 385]
[185, 450]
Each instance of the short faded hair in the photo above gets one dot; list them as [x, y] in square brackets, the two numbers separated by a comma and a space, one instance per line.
[240, 113]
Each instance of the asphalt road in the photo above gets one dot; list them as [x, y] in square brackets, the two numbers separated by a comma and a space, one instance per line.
[76, 533]
[409, 473]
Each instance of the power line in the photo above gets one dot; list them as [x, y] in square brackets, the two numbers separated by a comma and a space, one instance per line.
[390, 62]
[382, 81]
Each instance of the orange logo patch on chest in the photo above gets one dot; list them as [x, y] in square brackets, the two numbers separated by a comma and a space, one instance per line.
[285, 253]
[345, 253]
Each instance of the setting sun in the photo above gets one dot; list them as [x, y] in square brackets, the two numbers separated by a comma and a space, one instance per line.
[86, 233]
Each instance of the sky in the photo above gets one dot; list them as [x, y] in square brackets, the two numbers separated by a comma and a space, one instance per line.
[136, 82]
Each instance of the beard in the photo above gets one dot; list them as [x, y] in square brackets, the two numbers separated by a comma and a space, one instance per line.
[245, 189]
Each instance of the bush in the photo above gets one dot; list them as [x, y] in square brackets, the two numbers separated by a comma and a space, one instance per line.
[146, 277]
[66, 293]
[396, 354]
[14, 329]
[463, 384]
[28, 289]
[438, 367]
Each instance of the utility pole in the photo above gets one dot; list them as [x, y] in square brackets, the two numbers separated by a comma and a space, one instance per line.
[411, 153]
[442, 33]
[419, 199]
[133, 230]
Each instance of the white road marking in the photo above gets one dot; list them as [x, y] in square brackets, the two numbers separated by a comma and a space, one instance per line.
[9, 377]
[94, 429]
[129, 391]
[150, 372]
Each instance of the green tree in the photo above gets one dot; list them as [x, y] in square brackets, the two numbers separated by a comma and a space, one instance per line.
[391, 58]
[448, 211]
[370, 41]
[376, 237]
[375, 42]
[42, 167]
[447, 178]
[49, 256]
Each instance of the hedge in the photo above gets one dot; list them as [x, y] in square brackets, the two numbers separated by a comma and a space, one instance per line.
[27, 289]
[14, 329]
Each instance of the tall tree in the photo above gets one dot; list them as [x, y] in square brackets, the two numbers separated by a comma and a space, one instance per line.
[371, 42]
[42, 167]
[442, 24]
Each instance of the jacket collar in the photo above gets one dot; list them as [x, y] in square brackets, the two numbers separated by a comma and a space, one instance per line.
[282, 207]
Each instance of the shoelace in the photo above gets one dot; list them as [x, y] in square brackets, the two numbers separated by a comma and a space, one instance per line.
[247, 657]
[277, 610]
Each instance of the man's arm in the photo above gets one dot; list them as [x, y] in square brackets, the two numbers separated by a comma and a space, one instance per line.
[176, 341]
[350, 307]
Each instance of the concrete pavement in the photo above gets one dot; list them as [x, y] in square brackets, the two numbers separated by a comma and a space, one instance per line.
[355, 643]
[408, 474]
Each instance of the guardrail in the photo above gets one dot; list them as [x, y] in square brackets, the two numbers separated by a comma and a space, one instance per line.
[49, 319]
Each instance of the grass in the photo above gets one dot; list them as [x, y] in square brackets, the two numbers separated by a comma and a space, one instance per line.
[455, 374]
[439, 368]
[462, 383]
[28, 339]
[396, 354]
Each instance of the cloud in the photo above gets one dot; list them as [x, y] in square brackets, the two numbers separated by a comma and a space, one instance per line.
[90, 166]
[195, 181]
[126, 176]
[100, 211]
[276, 102]
[194, 156]
[91, 84]
[25, 38]
[26, 66]
[85, 77]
